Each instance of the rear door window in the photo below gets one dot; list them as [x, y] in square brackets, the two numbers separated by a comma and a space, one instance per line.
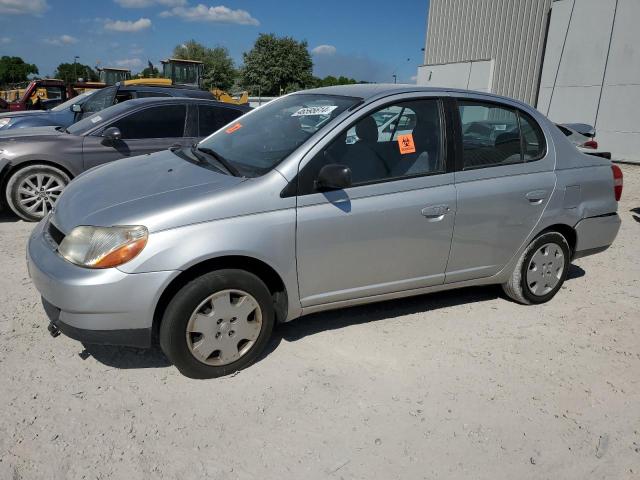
[164, 121]
[495, 135]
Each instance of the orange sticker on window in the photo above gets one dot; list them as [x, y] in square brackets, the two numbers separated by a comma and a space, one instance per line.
[405, 142]
[235, 128]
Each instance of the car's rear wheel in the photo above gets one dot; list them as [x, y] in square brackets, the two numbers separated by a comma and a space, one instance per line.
[217, 324]
[32, 191]
[541, 270]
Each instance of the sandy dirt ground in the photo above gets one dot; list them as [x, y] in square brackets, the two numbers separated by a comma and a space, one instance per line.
[463, 385]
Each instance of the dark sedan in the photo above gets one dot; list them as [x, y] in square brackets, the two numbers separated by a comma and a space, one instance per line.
[88, 103]
[37, 163]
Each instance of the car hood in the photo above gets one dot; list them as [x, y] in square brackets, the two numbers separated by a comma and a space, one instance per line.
[160, 191]
[26, 113]
[19, 133]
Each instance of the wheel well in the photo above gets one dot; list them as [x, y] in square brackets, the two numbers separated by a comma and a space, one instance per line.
[10, 169]
[567, 232]
[264, 272]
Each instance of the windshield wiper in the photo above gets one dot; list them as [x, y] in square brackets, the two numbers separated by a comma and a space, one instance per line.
[219, 158]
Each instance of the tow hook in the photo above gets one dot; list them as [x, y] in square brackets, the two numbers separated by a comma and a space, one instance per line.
[54, 331]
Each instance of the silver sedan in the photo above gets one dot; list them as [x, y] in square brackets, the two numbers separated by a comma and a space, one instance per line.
[280, 214]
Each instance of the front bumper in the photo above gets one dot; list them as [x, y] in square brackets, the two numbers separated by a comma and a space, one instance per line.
[94, 306]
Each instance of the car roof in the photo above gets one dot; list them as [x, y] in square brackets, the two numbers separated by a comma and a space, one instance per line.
[135, 102]
[372, 91]
[173, 90]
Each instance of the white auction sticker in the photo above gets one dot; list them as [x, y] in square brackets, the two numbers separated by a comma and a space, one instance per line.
[96, 119]
[306, 111]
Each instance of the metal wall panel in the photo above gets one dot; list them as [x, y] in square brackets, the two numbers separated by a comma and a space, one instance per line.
[510, 32]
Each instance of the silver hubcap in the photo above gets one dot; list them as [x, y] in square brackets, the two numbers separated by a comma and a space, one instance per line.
[38, 193]
[224, 327]
[545, 269]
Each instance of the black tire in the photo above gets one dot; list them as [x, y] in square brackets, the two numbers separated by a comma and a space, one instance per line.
[173, 329]
[14, 190]
[517, 287]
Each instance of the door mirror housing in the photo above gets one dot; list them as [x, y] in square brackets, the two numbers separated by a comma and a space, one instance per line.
[112, 134]
[333, 177]
[76, 108]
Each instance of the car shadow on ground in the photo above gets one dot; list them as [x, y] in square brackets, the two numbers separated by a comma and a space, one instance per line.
[8, 217]
[126, 357]
[637, 212]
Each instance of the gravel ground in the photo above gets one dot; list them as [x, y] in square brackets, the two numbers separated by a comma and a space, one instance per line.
[463, 384]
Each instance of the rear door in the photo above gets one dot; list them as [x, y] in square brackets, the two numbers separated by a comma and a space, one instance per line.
[147, 130]
[504, 179]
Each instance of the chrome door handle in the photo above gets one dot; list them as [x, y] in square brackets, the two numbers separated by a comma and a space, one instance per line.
[435, 212]
[536, 197]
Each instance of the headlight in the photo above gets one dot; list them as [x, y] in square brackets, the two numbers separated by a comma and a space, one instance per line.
[103, 247]
[4, 122]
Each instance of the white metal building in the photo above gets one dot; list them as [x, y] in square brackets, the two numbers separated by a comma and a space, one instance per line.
[575, 60]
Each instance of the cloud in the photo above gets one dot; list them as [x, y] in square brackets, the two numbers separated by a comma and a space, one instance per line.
[129, 63]
[61, 40]
[324, 50]
[219, 14]
[354, 66]
[4, 40]
[127, 25]
[149, 3]
[20, 7]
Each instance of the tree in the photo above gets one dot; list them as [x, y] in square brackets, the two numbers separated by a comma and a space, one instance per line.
[277, 65]
[149, 73]
[219, 69]
[330, 81]
[14, 69]
[70, 72]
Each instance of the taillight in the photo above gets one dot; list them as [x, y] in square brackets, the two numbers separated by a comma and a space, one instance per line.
[590, 144]
[617, 181]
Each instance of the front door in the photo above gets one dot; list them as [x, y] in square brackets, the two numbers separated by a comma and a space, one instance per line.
[391, 231]
[143, 131]
[504, 184]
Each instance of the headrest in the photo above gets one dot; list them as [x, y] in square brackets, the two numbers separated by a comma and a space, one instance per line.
[367, 130]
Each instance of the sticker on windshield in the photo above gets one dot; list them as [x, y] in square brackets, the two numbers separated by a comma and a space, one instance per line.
[234, 128]
[405, 142]
[308, 111]
[96, 119]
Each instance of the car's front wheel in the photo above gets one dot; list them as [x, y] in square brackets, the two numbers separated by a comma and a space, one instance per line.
[32, 191]
[217, 324]
[541, 270]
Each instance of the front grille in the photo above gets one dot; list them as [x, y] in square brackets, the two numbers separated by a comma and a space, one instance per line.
[56, 235]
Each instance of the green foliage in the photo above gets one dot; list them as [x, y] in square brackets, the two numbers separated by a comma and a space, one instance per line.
[277, 65]
[330, 81]
[70, 72]
[14, 69]
[219, 70]
[149, 73]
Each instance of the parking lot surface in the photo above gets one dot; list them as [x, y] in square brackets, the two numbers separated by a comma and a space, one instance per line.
[463, 384]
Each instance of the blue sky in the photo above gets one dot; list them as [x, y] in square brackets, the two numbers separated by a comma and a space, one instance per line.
[365, 39]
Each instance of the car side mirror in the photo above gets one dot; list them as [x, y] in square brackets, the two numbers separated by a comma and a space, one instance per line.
[112, 134]
[76, 108]
[333, 177]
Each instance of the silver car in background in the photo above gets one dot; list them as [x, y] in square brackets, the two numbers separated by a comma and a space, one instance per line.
[279, 214]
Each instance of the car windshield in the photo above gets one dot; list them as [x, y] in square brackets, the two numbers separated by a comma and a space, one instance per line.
[72, 101]
[256, 143]
[100, 117]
